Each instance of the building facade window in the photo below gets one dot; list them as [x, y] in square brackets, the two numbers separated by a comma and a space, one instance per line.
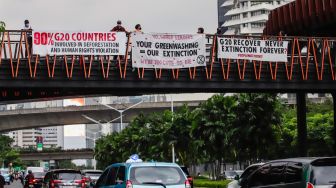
[235, 17]
[258, 25]
[259, 12]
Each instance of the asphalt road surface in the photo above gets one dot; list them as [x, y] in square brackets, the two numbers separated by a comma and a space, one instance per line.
[15, 184]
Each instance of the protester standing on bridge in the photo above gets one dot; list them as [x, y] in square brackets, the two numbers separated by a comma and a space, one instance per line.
[200, 30]
[118, 28]
[218, 33]
[28, 29]
[138, 29]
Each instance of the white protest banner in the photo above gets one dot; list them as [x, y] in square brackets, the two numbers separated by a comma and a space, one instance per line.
[168, 51]
[79, 43]
[251, 49]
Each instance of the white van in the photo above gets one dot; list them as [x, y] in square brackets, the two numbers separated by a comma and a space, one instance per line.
[34, 169]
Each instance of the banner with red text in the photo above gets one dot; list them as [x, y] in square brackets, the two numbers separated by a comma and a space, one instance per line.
[168, 51]
[79, 43]
[251, 49]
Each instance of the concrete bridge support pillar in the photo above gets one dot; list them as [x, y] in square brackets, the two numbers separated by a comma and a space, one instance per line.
[334, 107]
[301, 123]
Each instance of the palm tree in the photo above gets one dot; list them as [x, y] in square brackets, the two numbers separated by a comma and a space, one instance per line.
[215, 119]
[255, 126]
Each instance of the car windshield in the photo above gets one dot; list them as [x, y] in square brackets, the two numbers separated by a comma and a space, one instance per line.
[323, 175]
[93, 174]
[155, 174]
[39, 174]
[68, 176]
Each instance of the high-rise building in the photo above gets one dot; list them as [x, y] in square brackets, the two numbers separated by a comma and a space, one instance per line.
[25, 138]
[223, 7]
[246, 17]
[53, 136]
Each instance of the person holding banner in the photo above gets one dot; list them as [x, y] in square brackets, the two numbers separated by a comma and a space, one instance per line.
[200, 30]
[137, 29]
[28, 29]
[219, 31]
[119, 28]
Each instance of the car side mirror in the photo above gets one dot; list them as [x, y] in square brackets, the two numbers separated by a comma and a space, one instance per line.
[236, 177]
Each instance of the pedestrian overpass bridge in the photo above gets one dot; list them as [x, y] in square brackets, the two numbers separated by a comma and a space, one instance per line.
[310, 68]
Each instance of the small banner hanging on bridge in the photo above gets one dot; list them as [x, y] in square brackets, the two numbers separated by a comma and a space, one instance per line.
[79, 43]
[168, 51]
[251, 49]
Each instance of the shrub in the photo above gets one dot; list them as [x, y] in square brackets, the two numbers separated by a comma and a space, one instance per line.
[211, 183]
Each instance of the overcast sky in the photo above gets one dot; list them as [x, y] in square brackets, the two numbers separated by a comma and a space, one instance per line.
[168, 16]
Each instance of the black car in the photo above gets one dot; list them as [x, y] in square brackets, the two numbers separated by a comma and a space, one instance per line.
[64, 179]
[91, 176]
[190, 178]
[294, 173]
[38, 179]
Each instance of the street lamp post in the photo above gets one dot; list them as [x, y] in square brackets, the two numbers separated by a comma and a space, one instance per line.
[94, 145]
[120, 111]
[95, 137]
[172, 110]
[98, 121]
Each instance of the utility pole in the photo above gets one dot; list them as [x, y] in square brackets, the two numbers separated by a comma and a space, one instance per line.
[172, 111]
[95, 137]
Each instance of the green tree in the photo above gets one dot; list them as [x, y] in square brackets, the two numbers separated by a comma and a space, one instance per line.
[219, 130]
[213, 129]
[257, 126]
[2, 26]
[107, 150]
[288, 133]
[319, 130]
[7, 153]
[179, 134]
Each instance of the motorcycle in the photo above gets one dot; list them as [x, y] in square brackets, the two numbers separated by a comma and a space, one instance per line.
[29, 183]
[16, 176]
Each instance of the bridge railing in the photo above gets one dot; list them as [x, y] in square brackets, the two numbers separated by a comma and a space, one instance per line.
[309, 58]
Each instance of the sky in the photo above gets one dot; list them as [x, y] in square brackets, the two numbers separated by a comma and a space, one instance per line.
[161, 16]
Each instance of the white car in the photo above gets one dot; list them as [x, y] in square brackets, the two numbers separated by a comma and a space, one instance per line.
[236, 182]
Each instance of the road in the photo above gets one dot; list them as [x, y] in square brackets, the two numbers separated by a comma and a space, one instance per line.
[15, 184]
